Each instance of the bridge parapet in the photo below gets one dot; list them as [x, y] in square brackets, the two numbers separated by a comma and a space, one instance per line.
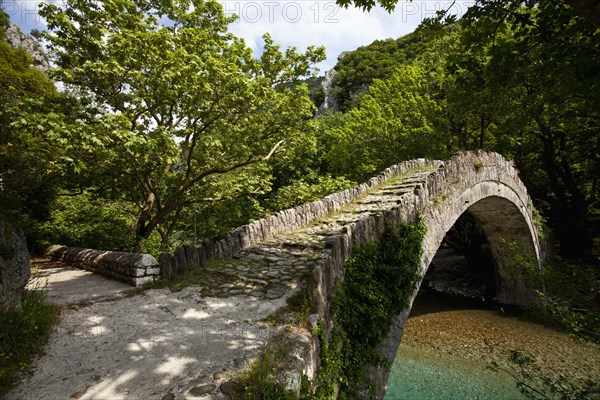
[267, 228]
[133, 268]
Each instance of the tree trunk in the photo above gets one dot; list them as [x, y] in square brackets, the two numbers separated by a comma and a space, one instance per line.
[143, 230]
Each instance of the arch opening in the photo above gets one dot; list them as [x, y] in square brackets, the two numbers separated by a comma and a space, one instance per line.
[499, 223]
[463, 265]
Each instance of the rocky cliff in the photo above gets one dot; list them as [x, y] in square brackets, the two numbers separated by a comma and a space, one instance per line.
[32, 45]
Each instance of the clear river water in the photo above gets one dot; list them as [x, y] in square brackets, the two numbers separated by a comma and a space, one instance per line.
[448, 345]
[419, 374]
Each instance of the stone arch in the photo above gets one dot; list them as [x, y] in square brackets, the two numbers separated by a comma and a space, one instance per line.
[489, 187]
[503, 217]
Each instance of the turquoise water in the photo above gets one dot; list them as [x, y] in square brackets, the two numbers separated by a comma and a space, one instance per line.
[421, 375]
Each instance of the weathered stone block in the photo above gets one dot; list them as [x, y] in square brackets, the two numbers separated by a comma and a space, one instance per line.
[182, 262]
[191, 255]
[118, 265]
[142, 280]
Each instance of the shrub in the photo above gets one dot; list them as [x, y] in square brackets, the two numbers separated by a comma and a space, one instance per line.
[23, 334]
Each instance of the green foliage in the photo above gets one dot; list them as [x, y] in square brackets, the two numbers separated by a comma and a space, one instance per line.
[304, 191]
[567, 291]
[513, 77]
[181, 114]
[569, 294]
[396, 119]
[215, 219]
[356, 70]
[22, 336]
[4, 21]
[537, 61]
[27, 160]
[262, 381]
[296, 311]
[315, 90]
[88, 221]
[584, 322]
[379, 280]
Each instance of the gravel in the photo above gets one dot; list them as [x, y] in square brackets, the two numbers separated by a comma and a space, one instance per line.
[487, 335]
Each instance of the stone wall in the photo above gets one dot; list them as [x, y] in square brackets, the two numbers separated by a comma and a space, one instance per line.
[14, 266]
[133, 268]
[246, 236]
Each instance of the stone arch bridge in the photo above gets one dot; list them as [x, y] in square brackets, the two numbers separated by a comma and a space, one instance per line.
[300, 253]
[304, 249]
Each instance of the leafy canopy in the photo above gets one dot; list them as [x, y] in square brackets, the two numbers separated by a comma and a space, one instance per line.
[357, 69]
[27, 161]
[519, 78]
[180, 112]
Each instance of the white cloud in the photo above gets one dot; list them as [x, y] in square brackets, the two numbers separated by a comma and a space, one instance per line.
[299, 23]
[302, 23]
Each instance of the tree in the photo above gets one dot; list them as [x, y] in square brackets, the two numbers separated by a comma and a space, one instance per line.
[589, 9]
[514, 77]
[547, 57]
[396, 119]
[357, 69]
[180, 111]
[28, 163]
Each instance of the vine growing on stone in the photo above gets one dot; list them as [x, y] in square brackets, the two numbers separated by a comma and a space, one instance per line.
[379, 280]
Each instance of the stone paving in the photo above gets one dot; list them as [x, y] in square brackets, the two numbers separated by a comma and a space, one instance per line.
[271, 269]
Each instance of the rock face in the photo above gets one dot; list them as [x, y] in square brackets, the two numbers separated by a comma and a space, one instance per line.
[17, 38]
[329, 104]
[14, 266]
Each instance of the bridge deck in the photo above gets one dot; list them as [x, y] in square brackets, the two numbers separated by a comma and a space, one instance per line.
[271, 269]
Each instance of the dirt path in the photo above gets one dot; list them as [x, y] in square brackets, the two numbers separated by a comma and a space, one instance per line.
[66, 285]
[155, 345]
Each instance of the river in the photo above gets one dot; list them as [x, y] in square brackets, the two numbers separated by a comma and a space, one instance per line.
[449, 344]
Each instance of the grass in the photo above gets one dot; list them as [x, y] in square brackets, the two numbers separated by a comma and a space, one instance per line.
[295, 313]
[265, 378]
[23, 334]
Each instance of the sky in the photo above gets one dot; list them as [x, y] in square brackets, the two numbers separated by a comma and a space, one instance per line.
[298, 23]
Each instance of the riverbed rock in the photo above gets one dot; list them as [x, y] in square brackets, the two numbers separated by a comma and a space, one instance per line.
[14, 266]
